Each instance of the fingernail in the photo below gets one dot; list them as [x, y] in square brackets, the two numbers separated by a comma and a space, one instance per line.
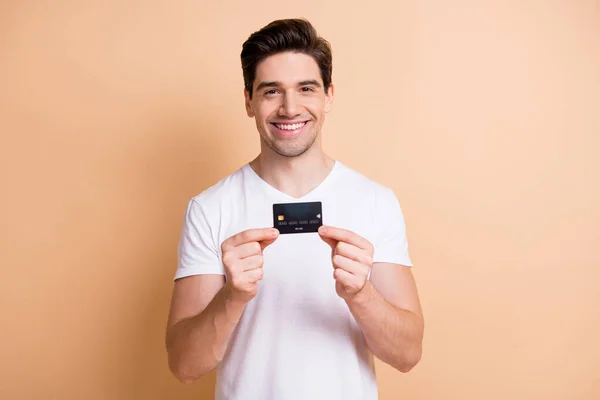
[274, 232]
[323, 229]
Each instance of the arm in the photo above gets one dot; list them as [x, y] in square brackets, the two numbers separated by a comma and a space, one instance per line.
[206, 308]
[202, 317]
[389, 314]
[386, 307]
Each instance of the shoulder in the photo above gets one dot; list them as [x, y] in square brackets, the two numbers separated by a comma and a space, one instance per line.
[362, 184]
[226, 188]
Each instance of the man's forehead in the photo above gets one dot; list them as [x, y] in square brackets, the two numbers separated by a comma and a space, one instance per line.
[288, 69]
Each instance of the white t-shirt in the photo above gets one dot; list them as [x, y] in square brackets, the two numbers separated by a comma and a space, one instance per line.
[297, 339]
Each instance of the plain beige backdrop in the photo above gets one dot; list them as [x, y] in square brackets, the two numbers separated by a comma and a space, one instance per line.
[483, 116]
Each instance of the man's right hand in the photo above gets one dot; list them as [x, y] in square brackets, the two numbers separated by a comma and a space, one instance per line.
[243, 261]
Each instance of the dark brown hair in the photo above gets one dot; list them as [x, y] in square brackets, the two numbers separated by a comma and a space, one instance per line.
[296, 35]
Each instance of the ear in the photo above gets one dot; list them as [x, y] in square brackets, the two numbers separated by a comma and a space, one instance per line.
[329, 98]
[248, 104]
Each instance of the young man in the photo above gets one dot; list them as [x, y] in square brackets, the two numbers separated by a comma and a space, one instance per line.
[292, 316]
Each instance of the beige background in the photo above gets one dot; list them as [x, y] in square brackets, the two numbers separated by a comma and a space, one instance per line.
[482, 116]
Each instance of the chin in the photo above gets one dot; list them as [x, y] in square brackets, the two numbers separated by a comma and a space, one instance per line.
[290, 153]
[289, 146]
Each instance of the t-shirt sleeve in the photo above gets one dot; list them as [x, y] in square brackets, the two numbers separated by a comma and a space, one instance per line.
[391, 245]
[197, 253]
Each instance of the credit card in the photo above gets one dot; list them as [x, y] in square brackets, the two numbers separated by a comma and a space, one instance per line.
[297, 217]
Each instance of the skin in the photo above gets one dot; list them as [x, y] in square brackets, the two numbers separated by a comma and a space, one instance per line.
[206, 308]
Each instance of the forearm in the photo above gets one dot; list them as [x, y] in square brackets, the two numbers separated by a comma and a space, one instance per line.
[393, 335]
[196, 345]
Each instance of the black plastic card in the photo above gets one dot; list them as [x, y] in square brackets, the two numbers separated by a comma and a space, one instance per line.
[297, 217]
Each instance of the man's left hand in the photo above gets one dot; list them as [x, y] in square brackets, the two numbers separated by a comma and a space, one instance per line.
[352, 258]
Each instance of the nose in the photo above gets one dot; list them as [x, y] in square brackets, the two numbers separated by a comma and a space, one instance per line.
[289, 107]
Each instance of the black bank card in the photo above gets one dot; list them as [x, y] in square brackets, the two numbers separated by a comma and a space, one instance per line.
[297, 217]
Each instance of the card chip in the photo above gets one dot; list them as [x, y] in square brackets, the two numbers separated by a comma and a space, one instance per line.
[280, 218]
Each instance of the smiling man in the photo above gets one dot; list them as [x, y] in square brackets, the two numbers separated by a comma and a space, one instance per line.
[292, 313]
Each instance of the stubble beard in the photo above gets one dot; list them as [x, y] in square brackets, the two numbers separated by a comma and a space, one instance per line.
[290, 148]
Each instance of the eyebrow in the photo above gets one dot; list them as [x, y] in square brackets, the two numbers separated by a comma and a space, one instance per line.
[308, 82]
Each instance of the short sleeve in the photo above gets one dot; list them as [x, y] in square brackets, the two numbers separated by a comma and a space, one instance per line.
[391, 245]
[196, 253]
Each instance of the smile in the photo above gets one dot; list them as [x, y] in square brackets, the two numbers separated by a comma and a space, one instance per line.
[289, 130]
[290, 127]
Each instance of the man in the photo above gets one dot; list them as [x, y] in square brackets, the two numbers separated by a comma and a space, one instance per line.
[292, 316]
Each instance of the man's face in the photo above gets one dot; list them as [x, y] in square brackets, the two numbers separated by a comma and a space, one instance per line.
[289, 102]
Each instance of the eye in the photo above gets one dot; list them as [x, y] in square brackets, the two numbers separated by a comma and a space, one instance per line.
[270, 92]
[307, 89]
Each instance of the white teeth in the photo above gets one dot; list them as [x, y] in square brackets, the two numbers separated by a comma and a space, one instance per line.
[291, 127]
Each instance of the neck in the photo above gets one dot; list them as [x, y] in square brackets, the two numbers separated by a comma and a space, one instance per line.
[294, 176]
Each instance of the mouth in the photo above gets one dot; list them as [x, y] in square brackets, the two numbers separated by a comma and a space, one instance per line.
[289, 128]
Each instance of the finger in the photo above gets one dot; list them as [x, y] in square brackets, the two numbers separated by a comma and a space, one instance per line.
[344, 235]
[351, 266]
[354, 253]
[252, 262]
[246, 250]
[350, 283]
[265, 243]
[255, 275]
[250, 248]
[331, 242]
[249, 235]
